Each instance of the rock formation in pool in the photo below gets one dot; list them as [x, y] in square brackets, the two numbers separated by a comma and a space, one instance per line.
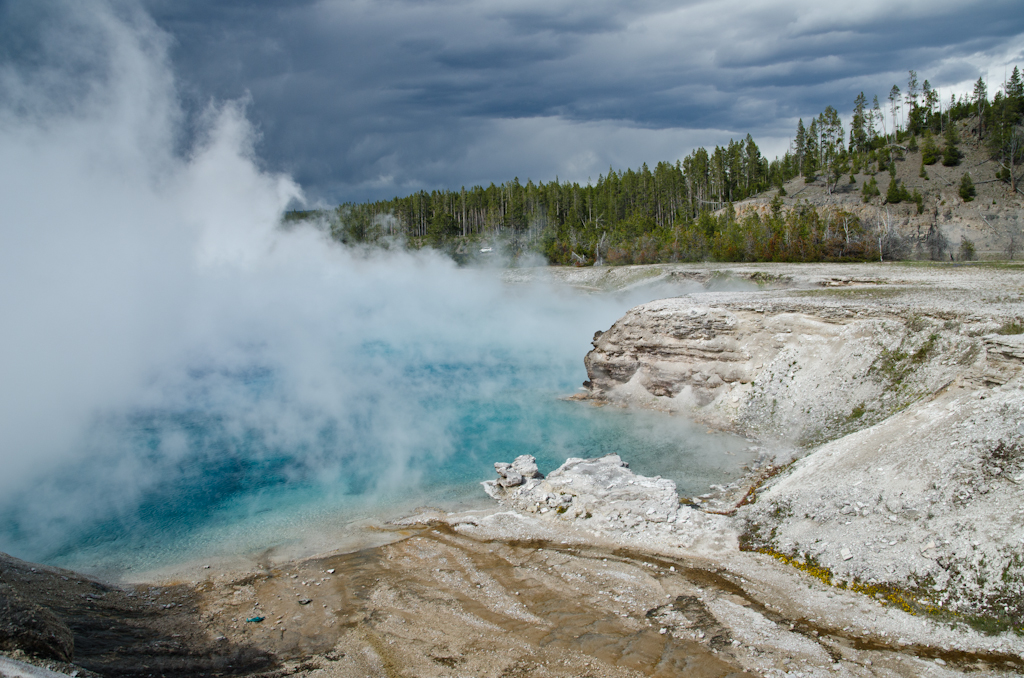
[605, 497]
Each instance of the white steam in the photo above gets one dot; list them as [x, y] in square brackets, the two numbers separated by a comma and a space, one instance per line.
[140, 284]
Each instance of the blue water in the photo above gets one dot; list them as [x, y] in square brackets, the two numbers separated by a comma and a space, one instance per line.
[244, 454]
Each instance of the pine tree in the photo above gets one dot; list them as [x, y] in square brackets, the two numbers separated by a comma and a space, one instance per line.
[894, 108]
[869, 188]
[929, 149]
[858, 131]
[800, 146]
[930, 96]
[967, 190]
[912, 88]
[1015, 94]
[811, 152]
[896, 192]
[967, 249]
[831, 129]
[951, 154]
[980, 96]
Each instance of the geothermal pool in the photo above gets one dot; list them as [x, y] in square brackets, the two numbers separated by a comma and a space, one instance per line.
[273, 443]
[184, 377]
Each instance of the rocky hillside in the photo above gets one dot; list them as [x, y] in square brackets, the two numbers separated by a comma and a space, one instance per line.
[989, 220]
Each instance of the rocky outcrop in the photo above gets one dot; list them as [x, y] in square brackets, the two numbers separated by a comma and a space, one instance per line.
[908, 424]
[667, 347]
[522, 469]
[605, 497]
[790, 375]
[587, 488]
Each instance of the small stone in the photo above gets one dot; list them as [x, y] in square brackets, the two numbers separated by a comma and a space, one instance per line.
[305, 601]
[330, 571]
[939, 661]
[510, 479]
[846, 554]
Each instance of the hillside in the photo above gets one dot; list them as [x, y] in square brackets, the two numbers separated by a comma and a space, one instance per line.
[990, 221]
[699, 208]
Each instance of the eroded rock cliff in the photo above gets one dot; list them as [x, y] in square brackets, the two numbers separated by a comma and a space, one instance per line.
[804, 377]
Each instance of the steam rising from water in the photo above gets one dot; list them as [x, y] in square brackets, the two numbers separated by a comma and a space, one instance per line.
[170, 357]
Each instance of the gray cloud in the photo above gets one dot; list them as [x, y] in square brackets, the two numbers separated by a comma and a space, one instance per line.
[364, 100]
[368, 99]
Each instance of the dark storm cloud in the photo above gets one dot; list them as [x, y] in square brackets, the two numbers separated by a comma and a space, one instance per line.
[364, 99]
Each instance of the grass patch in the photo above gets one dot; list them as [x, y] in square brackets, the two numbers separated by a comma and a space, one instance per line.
[913, 602]
[921, 354]
[1011, 327]
[851, 292]
[892, 365]
[991, 625]
[916, 323]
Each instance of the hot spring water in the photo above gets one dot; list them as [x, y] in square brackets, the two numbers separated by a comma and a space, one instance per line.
[234, 458]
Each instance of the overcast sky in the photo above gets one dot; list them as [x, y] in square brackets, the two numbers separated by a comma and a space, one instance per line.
[367, 99]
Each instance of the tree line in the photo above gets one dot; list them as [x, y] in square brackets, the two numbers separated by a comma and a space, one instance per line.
[682, 211]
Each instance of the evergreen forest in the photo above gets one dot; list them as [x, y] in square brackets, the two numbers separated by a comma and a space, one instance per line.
[683, 211]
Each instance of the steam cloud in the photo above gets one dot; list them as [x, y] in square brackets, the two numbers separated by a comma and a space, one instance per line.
[161, 330]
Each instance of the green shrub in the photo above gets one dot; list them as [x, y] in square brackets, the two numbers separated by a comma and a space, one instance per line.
[921, 354]
[929, 150]
[967, 190]
[918, 200]
[869, 188]
[951, 156]
[896, 193]
[967, 251]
